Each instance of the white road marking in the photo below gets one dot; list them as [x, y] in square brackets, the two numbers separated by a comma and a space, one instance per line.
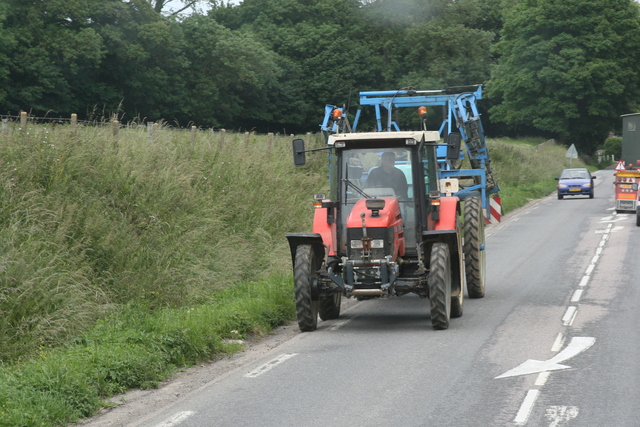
[589, 269]
[558, 414]
[569, 315]
[576, 295]
[526, 407]
[531, 366]
[542, 378]
[338, 325]
[558, 343]
[176, 419]
[612, 220]
[584, 281]
[598, 251]
[269, 365]
[595, 259]
[602, 242]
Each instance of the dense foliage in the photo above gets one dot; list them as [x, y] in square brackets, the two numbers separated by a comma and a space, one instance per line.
[568, 67]
[562, 69]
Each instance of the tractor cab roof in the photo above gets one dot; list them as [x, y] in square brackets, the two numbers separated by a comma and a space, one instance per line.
[383, 138]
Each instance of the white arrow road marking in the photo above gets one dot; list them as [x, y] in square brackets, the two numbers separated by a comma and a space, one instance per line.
[269, 365]
[575, 347]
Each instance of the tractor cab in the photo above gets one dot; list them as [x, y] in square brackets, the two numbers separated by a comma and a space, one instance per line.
[382, 187]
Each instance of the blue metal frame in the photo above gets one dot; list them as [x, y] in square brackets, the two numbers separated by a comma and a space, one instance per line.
[462, 116]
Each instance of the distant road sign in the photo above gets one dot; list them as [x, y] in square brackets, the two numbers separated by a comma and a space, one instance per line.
[572, 153]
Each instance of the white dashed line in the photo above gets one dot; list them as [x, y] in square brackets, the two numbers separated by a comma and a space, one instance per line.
[526, 407]
[584, 281]
[558, 343]
[569, 315]
[269, 365]
[589, 269]
[542, 378]
[176, 419]
[576, 295]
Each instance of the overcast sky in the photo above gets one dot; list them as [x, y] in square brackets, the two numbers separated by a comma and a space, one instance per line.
[174, 5]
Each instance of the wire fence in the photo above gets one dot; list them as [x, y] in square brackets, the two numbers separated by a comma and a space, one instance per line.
[13, 123]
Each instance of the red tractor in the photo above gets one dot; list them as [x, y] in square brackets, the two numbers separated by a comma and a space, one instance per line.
[392, 225]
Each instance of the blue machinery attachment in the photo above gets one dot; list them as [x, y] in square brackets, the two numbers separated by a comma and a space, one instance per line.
[462, 116]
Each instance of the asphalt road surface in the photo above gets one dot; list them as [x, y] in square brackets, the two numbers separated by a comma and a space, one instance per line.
[553, 343]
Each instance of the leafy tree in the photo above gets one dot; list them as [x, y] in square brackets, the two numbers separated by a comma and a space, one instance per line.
[567, 67]
[322, 44]
[613, 147]
[51, 49]
[232, 75]
[6, 44]
[144, 61]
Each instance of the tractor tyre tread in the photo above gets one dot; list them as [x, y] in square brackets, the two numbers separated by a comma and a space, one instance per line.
[475, 262]
[329, 307]
[440, 286]
[306, 308]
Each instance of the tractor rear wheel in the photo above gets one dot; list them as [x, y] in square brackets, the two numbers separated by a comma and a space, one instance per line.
[329, 307]
[440, 286]
[303, 274]
[474, 255]
[457, 276]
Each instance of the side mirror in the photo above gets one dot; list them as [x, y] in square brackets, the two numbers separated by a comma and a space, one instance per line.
[299, 158]
[453, 141]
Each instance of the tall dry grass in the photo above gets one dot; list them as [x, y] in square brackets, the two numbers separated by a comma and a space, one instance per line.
[89, 221]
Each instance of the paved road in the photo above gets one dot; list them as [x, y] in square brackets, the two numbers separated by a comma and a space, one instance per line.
[553, 343]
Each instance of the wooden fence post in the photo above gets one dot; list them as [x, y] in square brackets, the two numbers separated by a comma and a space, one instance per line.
[193, 135]
[246, 140]
[269, 141]
[115, 129]
[149, 131]
[23, 120]
[74, 123]
[223, 132]
[5, 125]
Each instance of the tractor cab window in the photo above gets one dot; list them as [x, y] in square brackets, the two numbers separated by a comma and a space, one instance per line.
[377, 173]
[430, 172]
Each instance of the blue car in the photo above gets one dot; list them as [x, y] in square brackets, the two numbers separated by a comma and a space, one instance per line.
[575, 182]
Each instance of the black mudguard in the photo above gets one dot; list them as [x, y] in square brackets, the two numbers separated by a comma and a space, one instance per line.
[313, 239]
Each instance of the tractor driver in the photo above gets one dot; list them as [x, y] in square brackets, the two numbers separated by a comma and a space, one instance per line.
[388, 176]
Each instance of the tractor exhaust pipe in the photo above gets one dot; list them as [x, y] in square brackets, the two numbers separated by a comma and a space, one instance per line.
[367, 292]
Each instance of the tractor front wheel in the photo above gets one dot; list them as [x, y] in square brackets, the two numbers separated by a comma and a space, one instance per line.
[474, 255]
[440, 286]
[329, 307]
[304, 272]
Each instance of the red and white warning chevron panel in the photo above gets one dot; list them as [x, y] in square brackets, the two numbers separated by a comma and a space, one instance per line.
[495, 211]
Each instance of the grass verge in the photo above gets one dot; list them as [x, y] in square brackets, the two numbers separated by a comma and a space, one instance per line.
[135, 348]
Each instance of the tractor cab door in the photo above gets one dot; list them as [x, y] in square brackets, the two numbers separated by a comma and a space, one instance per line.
[429, 184]
[377, 173]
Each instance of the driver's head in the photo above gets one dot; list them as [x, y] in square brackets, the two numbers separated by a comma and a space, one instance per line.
[387, 160]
